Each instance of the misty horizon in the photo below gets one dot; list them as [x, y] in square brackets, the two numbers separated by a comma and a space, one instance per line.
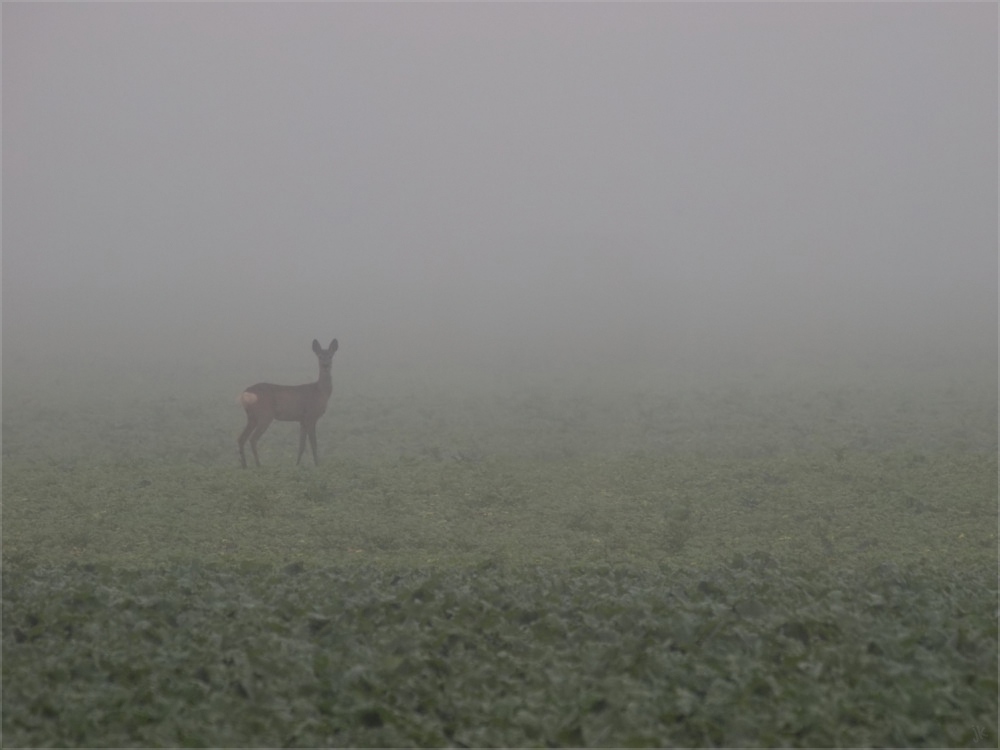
[534, 187]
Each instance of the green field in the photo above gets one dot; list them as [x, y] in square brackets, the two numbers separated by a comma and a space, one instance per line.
[806, 561]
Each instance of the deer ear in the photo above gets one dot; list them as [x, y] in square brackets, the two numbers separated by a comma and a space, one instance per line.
[316, 346]
[333, 346]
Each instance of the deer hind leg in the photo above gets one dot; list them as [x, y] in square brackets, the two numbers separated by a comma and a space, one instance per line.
[242, 439]
[259, 430]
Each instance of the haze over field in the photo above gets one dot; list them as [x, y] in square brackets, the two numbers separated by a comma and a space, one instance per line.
[532, 189]
[664, 411]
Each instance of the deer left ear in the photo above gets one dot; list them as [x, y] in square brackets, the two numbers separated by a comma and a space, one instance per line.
[333, 346]
[316, 347]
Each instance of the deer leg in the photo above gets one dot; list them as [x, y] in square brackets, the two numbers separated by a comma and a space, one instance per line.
[312, 442]
[255, 436]
[302, 442]
[242, 439]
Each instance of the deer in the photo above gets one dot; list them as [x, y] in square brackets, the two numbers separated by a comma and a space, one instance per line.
[305, 404]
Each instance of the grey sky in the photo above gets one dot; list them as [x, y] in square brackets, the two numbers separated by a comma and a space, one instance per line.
[610, 170]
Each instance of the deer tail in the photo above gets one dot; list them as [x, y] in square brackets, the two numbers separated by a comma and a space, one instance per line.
[247, 399]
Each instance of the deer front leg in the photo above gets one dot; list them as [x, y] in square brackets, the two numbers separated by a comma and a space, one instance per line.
[312, 442]
[302, 441]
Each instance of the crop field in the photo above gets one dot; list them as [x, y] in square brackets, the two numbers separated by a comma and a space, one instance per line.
[800, 561]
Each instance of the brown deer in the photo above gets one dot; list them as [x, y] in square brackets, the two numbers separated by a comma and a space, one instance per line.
[304, 404]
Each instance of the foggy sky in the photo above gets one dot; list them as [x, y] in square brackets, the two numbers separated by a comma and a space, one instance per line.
[498, 180]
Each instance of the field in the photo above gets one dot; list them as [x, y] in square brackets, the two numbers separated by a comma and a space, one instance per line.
[806, 560]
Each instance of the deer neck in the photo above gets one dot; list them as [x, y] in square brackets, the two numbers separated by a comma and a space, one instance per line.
[325, 383]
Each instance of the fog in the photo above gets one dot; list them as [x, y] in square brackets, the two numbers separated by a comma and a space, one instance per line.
[497, 190]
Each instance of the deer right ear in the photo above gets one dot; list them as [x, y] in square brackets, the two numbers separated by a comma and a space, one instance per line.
[333, 346]
[316, 347]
